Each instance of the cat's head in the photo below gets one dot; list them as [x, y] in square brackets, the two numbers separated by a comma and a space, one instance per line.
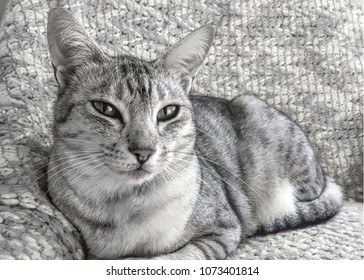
[123, 115]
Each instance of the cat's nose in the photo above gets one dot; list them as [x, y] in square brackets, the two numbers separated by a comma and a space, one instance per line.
[142, 155]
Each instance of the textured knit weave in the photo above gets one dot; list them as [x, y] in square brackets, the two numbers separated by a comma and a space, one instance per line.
[302, 57]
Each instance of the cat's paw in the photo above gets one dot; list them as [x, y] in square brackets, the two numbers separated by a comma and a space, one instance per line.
[172, 256]
[161, 258]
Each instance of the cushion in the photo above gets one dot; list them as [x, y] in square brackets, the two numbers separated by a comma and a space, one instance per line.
[302, 57]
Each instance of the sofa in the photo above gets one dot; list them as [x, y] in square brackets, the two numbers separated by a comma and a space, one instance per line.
[305, 58]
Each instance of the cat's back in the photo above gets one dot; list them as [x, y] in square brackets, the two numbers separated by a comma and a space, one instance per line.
[206, 107]
[220, 109]
[244, 115]
[219, 122]
[220, 115]
[215, 131]
[263, 145]
[251, 138]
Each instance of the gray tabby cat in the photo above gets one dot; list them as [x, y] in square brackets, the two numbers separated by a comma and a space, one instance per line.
[144, 169]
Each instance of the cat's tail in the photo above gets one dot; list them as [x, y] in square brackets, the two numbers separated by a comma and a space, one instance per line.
[311, 212]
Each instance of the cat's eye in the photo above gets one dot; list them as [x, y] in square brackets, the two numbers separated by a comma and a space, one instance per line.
[167, 113]
[106, 109]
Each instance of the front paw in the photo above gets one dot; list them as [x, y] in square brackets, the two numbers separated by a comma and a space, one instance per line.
[162, 257]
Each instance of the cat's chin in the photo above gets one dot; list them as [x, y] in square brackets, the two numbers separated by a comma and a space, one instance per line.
[136, 176]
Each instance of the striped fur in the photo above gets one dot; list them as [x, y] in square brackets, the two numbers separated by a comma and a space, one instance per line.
[218, 172]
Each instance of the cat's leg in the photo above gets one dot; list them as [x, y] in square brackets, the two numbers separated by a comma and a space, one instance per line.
[208, 247]
[273, 138]
[302, 168]
[326, 205]
[310, 183]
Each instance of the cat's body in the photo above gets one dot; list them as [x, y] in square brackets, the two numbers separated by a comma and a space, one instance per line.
[144, 170]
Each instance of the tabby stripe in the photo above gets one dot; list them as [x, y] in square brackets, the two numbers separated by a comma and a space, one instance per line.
[203, 250]
[150, 88]
[130, 86]
[223, 246]
[214, 254]
[233, 206]
[106, 225]
[66, 116]
[72, 135]
[301, 216]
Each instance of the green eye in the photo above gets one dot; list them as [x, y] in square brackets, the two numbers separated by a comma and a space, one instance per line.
[167, 113]
[106, 109]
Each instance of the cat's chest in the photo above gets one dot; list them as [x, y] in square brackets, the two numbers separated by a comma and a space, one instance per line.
[147, 225]
[133, 225]
[150, 227]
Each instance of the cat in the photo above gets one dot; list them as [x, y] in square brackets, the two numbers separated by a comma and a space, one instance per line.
[143, 168]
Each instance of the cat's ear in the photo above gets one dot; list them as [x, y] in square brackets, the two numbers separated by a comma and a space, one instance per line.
[188, 54]
[69, 44]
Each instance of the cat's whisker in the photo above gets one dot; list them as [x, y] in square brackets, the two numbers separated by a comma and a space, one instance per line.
[173, 175]
[225, 204]
[67, 170]
[52, 161]
[165, 179]
[74, 165]
[234, 175]
[97, 171]
[74, 140]
[69, 158]
[301, 183]
[77, 151]
[88, 170]
[204, 132]
[209, 135]
[291, 181]
[57, 179]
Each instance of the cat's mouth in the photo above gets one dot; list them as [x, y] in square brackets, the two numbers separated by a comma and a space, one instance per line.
[136, 174]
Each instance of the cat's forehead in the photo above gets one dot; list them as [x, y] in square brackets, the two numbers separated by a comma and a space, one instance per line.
[131, 66]
[133, 79]
[129, 79]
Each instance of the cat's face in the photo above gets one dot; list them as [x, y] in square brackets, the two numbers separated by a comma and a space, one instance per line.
[128, 117]
[132, 117]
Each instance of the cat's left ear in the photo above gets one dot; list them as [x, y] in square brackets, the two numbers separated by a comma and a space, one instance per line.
[187, 55]
[69, 45]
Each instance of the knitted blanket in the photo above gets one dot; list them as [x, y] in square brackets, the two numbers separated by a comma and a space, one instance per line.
[302, 57]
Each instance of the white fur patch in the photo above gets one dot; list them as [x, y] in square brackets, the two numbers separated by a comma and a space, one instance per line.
[281, 201]
[333, 191]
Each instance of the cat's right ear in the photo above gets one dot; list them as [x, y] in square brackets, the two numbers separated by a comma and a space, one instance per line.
[187, 56]
[69, 45]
